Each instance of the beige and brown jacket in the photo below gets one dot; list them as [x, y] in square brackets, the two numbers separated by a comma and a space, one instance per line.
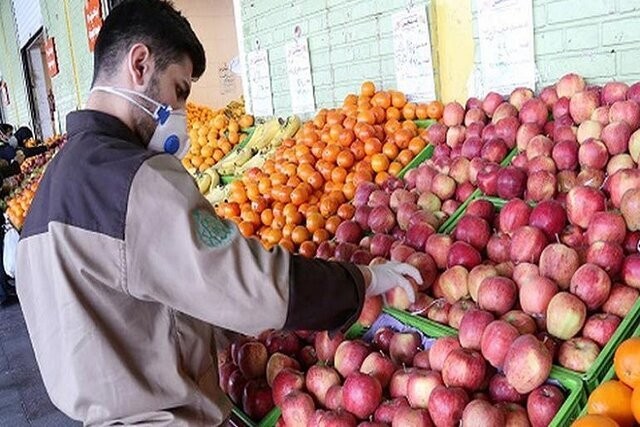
[122, 269]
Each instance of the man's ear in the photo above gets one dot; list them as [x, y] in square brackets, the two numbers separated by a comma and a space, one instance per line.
[140, 66]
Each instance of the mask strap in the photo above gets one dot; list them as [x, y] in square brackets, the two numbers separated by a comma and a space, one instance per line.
[161, 114]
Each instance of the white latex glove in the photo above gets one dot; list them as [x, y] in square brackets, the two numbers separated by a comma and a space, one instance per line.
[389, 275]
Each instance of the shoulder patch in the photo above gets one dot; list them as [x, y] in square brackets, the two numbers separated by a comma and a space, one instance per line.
[211, 230]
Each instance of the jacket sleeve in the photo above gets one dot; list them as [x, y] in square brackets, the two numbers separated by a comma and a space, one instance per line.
[179, 253]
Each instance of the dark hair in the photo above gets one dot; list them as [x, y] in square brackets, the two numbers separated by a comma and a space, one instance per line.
[158, 25]
[6, 128]
[23, 134]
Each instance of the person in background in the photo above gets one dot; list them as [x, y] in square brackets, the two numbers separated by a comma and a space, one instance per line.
[123, 267]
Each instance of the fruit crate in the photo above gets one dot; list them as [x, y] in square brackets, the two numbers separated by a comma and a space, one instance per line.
[571, 386]
[564, 378]
[448, 226]
[611, 373]
[243, 420]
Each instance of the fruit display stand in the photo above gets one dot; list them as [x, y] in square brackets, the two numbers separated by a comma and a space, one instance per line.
[598, 371]
[575, 397]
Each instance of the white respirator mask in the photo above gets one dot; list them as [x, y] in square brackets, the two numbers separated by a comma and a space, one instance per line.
[171, 134]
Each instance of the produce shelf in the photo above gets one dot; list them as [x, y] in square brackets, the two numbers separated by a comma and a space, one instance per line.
[574, 391]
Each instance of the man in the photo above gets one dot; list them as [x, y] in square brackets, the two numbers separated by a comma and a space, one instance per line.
[123, 267]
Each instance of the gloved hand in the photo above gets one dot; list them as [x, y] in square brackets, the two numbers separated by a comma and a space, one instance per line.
[389, 275]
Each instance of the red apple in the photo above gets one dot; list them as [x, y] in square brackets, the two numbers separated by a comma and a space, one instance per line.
[453, 114]
[499, 247]
[494, 150]
[446, 405]
[472, 326]
[620, 162]
[438, 246]
[502, 111]
[252, 359]
[620, 182]
[565, 155]
[256, 399]
[566, 315]
[420, 386]
[398, 298]
[404, 346]
[634, 146]
[615, 136]
[578, 354]
[507, 129]
[629, 206]
[473, 230]
[440, 350]
[523, 272]
[487, 179]
[464, 368]
[541, 186]
[319, 380]
[582, 204]
[326, 345]
[477, 275]
[631, 271]
[457, 311]
[559, 263]
[513, 215]
[224, 372]
[454, 283]
[287, 381]
[521, 321]
[463, 254]
[277, 362]
[297, 409]
[235, 386]
[515, 415]
[593, 178]
[621, 300]
[497, 294]
[534, 111]
[527, 364]
[349, 356]
[388, 409]
[525, 133]
[411, 417]
[538, 146]
[566, 181]
[606, 255]
[589, 129]
[601, 115]
[535, 294]
[421, 360]
[549, 216]
[496, 340]
[491, 102]
[308, 356]
[593, 154]
[370, 311]
[606, 226]
[421, 305]
[439, 311]
[591, 284]
[400, 381]
[625, 111]
[480, 413]
[527, 244]
[613, 92]
[234, 348]
[501, 391]
[543, 404]
[339, 418]
[361, 394]
[600, 328]
[582, 104]
[511, 182]
[382, 338]
[379, 366]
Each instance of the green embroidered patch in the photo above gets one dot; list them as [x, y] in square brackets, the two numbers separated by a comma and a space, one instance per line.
[211, 230]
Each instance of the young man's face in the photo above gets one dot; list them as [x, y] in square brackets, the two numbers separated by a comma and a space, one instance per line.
[170, 86]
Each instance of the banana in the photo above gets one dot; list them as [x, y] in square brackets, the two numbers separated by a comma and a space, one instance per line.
[287, 130]
[243, 157]
[255, 162]
[215, 177]
[204, 182]
[263, 135]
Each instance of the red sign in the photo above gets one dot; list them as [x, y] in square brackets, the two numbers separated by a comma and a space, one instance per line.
[52, 57]
[93, 20]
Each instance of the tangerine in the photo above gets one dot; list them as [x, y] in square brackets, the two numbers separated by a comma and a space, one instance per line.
[626, 362]
[612, 399]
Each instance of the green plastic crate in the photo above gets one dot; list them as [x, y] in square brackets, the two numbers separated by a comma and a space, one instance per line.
[424, 124]
[569, 410]
[355, 331]
[422, 156]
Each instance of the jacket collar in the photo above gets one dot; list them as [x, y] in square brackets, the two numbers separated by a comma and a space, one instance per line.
[93, 121]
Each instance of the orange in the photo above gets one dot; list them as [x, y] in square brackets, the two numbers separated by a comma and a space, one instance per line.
[398, 99]
[612, 399]
[435, 110]
[390, 150]
[368, 89]
[315, 222]
[345, 159]
[594, 421]
[320, 236]
[367, 116]
[332, 224]
[422, 111]
[381, 177]
[372, 146]
[626, 362]
[300, 234]
[416, 145]
[393, 113]
[308, 249]
[404, 157]
[409, 111]
[246, 228]
[379, 162]
[395, 168]
[635, 404]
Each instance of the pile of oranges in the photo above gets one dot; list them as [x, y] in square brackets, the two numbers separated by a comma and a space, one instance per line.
[617, 402]
[212, 135]
[301, 195]
[18, 206]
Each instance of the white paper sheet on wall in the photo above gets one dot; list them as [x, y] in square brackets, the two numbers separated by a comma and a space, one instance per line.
[506, 45]
[299, 71]
[259, 83]
[412, 54]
